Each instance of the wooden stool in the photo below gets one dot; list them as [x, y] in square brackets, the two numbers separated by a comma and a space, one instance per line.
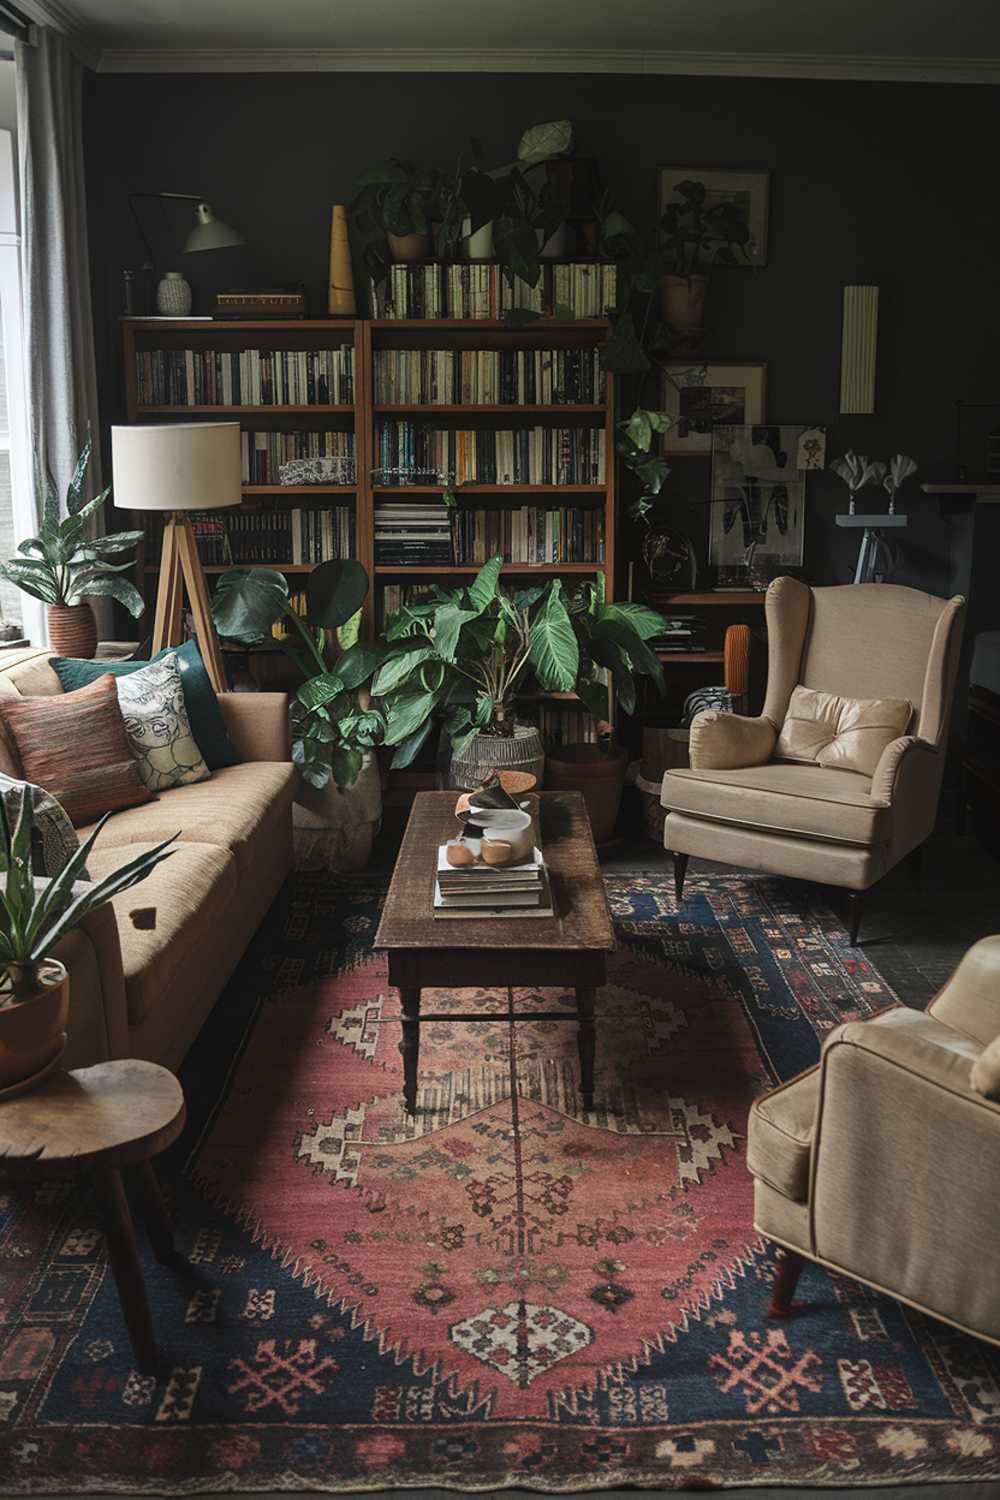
[97, 1122]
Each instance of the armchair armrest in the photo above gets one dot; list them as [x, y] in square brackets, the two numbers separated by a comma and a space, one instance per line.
[98, 1026]
[970, 1000]
[730, 742]
[257, 724]
[907, 764]
[903, 1171]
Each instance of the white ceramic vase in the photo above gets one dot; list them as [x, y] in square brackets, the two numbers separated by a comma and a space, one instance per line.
[173, 295]
[478, 246]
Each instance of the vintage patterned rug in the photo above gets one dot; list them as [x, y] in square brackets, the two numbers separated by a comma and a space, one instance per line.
[505, 1290]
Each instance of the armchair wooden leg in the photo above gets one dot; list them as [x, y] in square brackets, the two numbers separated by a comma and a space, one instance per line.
[855, 911]
[680, 870]
[790, 1264]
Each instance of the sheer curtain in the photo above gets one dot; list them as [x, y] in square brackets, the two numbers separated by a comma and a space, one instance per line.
[59, 372]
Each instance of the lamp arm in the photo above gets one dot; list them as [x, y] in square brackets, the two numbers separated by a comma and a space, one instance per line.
[133, 198]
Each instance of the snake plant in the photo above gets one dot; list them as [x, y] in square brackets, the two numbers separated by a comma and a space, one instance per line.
[35, 913]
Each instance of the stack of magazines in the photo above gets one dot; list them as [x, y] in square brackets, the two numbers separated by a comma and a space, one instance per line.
[482, 890]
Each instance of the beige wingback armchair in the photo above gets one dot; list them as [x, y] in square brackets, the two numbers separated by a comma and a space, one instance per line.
[845, 819]
[882, 1161]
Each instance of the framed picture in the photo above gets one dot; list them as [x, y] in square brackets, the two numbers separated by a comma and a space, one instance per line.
[758, 493]
[697, 394]
[749, 191]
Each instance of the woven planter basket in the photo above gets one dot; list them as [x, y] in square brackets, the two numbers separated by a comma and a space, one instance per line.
[72, 630]
[487, 753]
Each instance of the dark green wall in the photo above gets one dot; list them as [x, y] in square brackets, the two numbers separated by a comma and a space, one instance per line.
[886, 183]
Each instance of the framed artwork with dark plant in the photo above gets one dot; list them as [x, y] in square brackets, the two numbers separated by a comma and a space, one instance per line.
[758, 493]
[741, 195]
[698, 394]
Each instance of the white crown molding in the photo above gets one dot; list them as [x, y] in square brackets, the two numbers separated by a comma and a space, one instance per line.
[497, 60]
[54, 13]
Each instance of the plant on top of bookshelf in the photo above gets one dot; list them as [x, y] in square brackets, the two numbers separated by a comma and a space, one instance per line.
[333, 725]
[398, 199]
[466, 203]
[64, 566]
[462, 655]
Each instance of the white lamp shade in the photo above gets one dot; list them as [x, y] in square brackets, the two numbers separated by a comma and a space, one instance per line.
[176, 466]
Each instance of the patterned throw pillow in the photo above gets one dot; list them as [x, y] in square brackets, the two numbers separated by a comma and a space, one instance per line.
[75, 746]
[157, 725]
[54, 840]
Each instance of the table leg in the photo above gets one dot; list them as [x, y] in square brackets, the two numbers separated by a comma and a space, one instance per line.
[125, 1266]
[409, 1045]
[155, 1216]
[585, 1038]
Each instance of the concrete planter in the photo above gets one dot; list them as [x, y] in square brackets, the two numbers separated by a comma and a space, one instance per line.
[334, 829]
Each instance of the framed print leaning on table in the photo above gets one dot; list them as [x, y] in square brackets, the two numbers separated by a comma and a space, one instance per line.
[697, 394]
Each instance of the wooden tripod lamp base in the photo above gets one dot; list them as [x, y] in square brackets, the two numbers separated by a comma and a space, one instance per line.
[180, 569]
[173, 468]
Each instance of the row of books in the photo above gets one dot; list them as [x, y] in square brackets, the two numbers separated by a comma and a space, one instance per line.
[411, 454]
[395, 596]
[488, 377]
[528, 534]
[263, 453]
[476, 289]
[412, 533]
[236, 537]
[245, 377]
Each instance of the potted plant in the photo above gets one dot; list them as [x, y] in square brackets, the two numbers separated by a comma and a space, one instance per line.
[398, 199]
[334, 728]
[35, 913]
[525, 227]
[64, 567]
[694, 235]
[465, 208]
[462, 656]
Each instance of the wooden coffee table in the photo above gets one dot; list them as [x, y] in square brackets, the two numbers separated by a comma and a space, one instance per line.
[426, 951]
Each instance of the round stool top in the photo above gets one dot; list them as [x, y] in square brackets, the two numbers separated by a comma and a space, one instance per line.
[116, 1114]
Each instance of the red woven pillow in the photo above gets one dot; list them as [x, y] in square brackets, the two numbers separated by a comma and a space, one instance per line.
[75, 746]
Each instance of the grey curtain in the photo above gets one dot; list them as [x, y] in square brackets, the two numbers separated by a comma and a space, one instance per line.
[60, 376]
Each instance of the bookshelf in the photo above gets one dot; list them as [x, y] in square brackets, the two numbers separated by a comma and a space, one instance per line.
[547, 341]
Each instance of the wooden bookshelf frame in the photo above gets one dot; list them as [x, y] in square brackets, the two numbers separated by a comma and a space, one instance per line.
[362, 416]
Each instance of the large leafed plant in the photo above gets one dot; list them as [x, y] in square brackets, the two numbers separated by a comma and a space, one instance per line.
[332, 722]
[63, 564]
[461, 656]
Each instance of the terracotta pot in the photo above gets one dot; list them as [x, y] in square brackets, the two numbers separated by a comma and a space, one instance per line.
[33, 1029]
[72, 629]
[598, 774]
[409, 246]
[684, 300]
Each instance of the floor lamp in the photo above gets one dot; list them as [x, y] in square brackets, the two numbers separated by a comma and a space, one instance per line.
[176, 468]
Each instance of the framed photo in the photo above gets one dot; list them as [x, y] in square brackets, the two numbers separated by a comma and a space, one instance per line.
[758, 493]
[750, 191]
[698, 394]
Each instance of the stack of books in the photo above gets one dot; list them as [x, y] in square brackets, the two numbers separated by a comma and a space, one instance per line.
[418, 533]
[481, 890]
[683, 633]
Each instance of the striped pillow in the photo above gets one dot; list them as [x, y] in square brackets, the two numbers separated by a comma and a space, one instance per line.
[74, 745]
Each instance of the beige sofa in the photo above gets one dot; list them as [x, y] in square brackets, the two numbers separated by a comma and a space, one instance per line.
[140, 991]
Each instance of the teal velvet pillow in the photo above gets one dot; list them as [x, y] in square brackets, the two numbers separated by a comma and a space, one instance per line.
[204, 713]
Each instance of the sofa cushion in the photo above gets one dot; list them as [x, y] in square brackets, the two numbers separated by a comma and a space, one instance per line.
[189, 893]
[843, 734]
[75, 746]
[230, 810]
[806, 801]
[781, 1131]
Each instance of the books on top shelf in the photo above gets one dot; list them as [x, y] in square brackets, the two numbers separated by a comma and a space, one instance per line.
[245, 377]
[263, 453]
[409, 453]
[529, 534]
[481, 890]
[488, 377]
[412, 533]
[479, 289]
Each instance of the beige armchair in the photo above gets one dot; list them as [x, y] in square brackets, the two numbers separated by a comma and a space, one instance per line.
[847, 818]
[881, 1162]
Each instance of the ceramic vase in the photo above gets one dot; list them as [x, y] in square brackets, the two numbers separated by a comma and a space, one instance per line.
[478, 246]
[173, 295]
[341, 303]
[33, 1029]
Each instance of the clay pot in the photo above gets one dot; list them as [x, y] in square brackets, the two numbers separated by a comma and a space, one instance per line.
[409, 246]
[598, 774]
[684, 300]
[72, 629]
[33, 1028]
